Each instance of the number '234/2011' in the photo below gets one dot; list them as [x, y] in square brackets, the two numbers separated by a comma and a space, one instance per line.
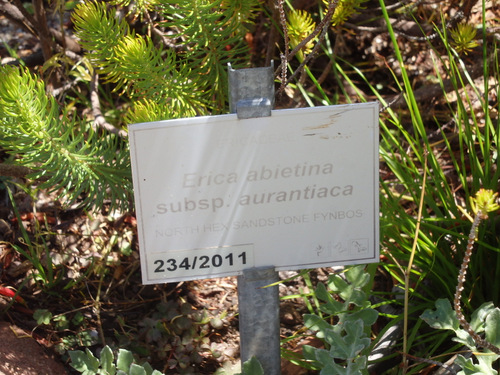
[200, 262]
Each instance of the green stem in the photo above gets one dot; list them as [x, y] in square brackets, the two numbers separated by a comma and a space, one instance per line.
[410, 264]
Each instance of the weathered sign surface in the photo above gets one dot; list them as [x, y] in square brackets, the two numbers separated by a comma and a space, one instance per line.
[215, 195]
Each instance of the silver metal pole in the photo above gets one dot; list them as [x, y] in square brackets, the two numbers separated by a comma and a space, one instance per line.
[259, 318]
[251, 94]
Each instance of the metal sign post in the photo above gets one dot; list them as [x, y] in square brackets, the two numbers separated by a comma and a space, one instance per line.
[252, 95]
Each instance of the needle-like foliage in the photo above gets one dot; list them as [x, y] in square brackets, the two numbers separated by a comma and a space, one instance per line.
[189, 80]
[145, 72]
[158, 80]
[65, 154]
[215, 34]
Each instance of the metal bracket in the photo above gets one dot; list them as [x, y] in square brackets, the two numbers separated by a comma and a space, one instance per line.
[251, 91]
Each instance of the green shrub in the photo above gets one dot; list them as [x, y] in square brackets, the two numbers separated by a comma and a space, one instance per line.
[86, 165]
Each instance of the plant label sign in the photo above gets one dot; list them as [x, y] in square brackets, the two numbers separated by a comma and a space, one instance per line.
[215, 195]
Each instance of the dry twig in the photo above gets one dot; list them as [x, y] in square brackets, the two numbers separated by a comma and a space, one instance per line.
[96, 110]
[322, 28]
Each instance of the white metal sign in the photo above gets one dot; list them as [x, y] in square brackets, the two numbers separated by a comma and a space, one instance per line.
[215, 195]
